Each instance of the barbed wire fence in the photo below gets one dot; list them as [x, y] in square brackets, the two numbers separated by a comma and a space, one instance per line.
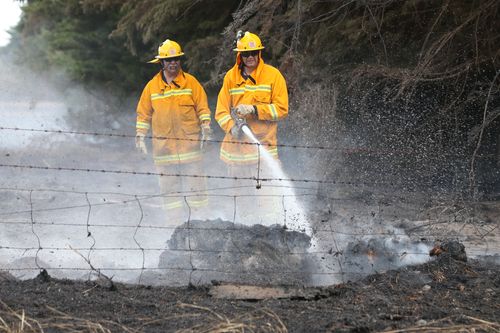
[85, 234]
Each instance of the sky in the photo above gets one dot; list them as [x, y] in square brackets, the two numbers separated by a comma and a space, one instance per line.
[10, 13]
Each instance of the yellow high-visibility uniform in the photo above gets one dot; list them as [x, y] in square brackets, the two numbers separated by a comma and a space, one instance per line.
[175, 112]
[266, 89]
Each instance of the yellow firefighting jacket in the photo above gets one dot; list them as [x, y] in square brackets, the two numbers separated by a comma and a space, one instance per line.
[268, 92]
[174, 112]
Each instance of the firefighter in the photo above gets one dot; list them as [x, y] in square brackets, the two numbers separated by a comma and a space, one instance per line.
[258, 93]
[174, 106]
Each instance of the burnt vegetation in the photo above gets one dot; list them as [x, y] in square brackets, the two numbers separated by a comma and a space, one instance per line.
[446, 295]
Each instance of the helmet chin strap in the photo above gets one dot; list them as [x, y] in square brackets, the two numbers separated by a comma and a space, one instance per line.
[164, 65]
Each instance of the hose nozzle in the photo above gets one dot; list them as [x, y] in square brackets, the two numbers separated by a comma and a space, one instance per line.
[239, 123]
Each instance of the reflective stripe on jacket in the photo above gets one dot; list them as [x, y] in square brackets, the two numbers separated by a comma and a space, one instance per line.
[268, 93]
[174, 112]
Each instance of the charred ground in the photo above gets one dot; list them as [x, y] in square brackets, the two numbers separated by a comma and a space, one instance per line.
[442, 294]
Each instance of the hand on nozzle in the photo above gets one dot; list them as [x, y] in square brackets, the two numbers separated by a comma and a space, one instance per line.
[245, 110]
[140, 144]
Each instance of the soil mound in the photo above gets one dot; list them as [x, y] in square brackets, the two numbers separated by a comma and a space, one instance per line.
[203, 251]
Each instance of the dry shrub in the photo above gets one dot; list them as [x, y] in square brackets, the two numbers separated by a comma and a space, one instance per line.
[464, 324]
[17, 321]
[259, 320]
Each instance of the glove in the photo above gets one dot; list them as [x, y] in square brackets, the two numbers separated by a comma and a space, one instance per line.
[140, 145]
[245, 110]
[206, 135]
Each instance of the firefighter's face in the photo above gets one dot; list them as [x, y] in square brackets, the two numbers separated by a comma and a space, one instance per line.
[250, 58]
[172, 65]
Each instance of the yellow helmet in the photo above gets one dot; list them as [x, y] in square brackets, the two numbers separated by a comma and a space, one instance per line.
[249, 42]
[167, 49]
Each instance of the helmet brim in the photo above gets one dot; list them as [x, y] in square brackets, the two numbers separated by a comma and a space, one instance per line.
[158, 58]
[252, 49]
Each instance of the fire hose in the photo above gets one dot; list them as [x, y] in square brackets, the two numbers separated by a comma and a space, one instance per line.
[239, 124]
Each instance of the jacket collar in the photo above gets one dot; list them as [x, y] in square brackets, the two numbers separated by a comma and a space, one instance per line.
[238, 78]
[178, 82]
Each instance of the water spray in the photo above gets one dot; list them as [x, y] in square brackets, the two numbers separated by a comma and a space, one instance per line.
[242, 127]
[296, 209]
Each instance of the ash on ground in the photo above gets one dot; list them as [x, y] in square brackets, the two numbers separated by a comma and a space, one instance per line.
[373, 254]
[202, 252]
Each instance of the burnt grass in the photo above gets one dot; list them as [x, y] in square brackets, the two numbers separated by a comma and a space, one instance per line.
[442, 293]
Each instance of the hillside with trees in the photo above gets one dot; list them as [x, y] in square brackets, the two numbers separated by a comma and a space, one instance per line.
[404, 93]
